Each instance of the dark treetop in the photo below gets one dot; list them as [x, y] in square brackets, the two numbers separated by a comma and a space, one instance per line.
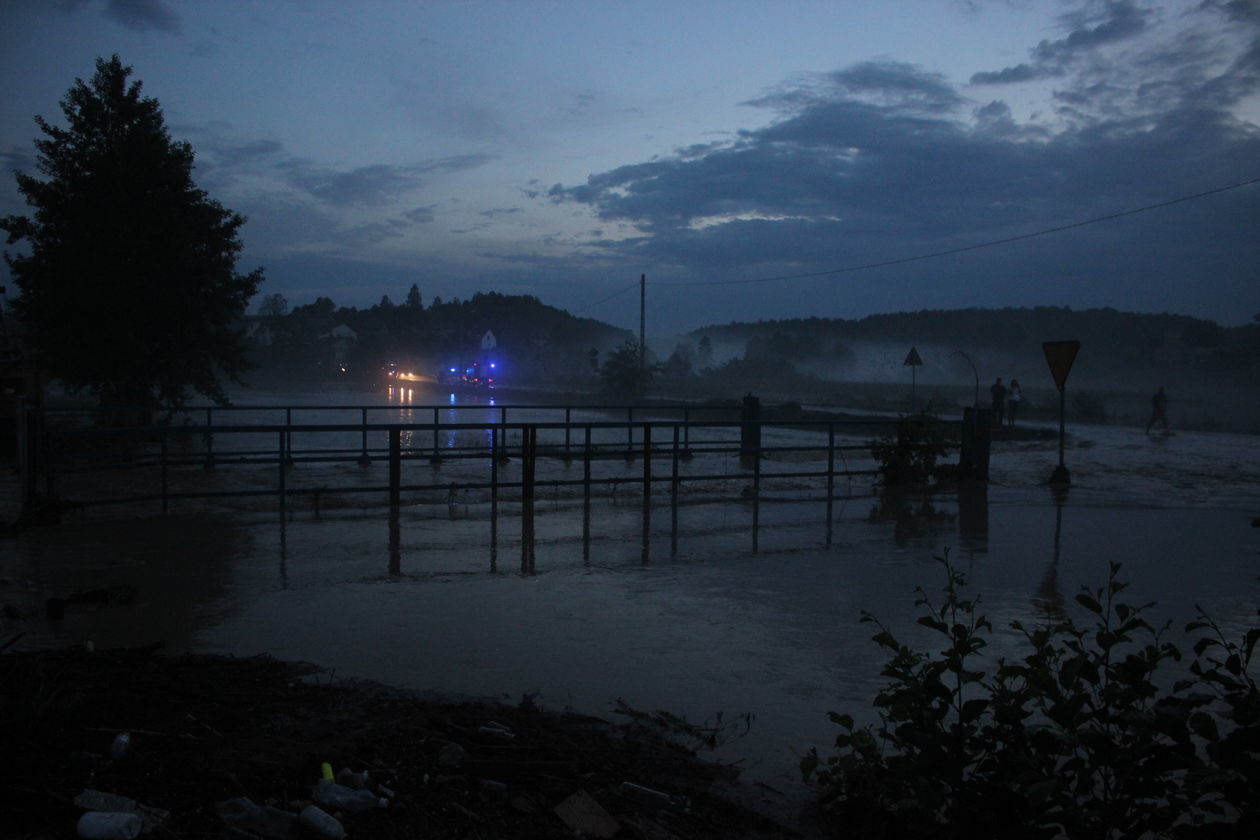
[128, 280]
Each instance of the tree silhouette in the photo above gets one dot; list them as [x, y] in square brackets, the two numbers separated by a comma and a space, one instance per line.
[128, 280]
[623, 375]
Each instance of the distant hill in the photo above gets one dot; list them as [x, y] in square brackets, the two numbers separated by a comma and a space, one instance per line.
[1113, 342]
[1213, 372]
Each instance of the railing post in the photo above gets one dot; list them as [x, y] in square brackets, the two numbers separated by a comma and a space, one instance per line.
[209, 438]
[495, 443]
[363, 456]
[647, 489]
[280, 462]
[831, 475]
[528, 455]
[673, 497]
[568, 418]
[756, 499]
[395, 467]
[586, 496]
[288, 435]
[435, 434]
[630, 432]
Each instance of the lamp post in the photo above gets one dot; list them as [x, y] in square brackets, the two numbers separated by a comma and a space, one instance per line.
[974, 372]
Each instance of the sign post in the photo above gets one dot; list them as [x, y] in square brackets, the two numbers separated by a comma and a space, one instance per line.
[913, 361]
[1059, 356]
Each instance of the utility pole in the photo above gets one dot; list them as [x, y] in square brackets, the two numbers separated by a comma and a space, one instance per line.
[642, 323]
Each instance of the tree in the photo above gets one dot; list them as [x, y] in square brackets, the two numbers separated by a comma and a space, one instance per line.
[129, 288]
[274, 307]
[704, 353]
[413, 300]
[623, 375]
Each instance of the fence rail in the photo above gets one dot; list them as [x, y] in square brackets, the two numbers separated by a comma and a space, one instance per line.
[510, 457]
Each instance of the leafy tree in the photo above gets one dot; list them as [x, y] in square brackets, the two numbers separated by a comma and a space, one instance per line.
[274, 306]
[624, 375]
[129, 282]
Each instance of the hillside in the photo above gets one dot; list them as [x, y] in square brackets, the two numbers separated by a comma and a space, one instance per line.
[1212, 372]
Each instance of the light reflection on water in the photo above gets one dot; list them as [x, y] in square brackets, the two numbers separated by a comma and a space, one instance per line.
[445, 598]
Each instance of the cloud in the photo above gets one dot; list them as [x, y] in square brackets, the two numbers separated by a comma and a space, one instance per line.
[883, 161]
[143, 15]
[1090, 29]
[886, 83]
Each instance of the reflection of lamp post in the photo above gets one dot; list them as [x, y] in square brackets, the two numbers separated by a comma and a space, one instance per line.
[974, 372]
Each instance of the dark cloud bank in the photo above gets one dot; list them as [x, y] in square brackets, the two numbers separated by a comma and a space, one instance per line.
[882, 161]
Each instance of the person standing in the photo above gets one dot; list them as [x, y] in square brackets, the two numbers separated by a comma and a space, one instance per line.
[998, 390]
[1159, 410]
[1012, 402]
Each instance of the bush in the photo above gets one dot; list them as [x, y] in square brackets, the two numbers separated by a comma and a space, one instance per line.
[909, 454]
[1076, 739]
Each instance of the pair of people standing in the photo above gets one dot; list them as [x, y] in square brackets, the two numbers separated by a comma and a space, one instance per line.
[1005, 402]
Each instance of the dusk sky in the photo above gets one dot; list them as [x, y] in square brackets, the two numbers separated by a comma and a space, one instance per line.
[562, 149]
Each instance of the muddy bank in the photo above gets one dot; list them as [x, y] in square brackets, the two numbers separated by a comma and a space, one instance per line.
[207, 729]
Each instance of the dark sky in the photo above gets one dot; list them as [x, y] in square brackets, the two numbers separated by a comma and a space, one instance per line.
[562, 149]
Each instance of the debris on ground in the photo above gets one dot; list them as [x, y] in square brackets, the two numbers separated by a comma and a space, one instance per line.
[220, 746]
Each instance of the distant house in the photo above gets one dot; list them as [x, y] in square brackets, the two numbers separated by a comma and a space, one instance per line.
[257, 331]
[339, 340]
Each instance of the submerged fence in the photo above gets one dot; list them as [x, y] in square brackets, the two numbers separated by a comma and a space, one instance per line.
[487, 453]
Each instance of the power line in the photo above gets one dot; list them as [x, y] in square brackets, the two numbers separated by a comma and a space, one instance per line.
[963, 249]
[602, 301]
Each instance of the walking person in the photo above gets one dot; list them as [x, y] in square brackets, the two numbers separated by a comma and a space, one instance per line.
[1159, 410]
[998, 390]
[1012, 402]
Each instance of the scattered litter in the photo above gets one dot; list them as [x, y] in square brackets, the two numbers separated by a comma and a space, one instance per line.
[263, 820]
[322, 822]
[109, 825]
[97, 800]
[653, 798]
[121, 746]
[452, 755]
[347, 777]
[339, 797]
[581, 813]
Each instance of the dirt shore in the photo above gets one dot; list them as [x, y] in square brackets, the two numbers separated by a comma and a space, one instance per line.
[207, 729]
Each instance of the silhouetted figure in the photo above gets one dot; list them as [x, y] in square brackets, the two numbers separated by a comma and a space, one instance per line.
[1012, 402]
[1159, 410]
[998, 390]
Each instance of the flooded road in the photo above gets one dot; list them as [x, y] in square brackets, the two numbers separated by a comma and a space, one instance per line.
[436, 604]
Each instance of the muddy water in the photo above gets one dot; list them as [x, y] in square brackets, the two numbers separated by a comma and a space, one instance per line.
[435, 603]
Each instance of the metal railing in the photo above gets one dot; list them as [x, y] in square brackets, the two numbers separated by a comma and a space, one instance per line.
[82, 462]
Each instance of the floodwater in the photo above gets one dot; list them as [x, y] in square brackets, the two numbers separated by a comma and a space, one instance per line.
[438, 602]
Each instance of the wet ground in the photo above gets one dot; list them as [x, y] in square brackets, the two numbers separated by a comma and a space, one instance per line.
[711, 628]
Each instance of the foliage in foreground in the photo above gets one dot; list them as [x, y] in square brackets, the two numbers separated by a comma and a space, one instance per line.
[1081, 738]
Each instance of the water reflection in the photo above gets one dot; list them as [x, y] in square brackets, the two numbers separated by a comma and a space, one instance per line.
[973, 515]
[173, 564]
[1048, 598]
[395, 543]
[913, 513]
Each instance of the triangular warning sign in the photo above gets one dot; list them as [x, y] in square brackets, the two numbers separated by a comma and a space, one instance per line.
[912, 358]
[1059, 356]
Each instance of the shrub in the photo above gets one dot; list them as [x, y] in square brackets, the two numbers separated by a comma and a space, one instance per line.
[908, 455]
[1076, 739]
